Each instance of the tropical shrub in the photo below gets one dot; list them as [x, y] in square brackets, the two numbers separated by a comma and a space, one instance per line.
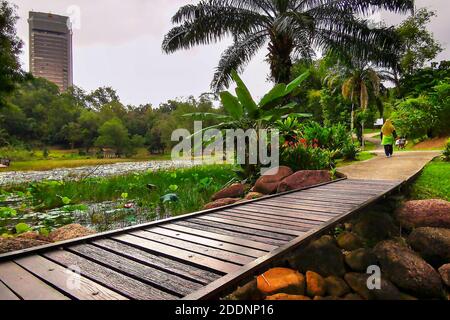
[447, 151]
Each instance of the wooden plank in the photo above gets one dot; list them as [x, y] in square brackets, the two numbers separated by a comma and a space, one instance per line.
[209, 242]
[324, 198]
[315, 210]
[270, 218]
[220, 237]
[312, 206]
[349, 191]
[189, 257]
[154, 277]
[189, 246]
[302, 214]
[253, 226]
[159, 262]
[260, 221]
[216, 228]
[62, 278]
[6, 294]
[266, 234]
[113, 280]
[319, 203]
[26, 285]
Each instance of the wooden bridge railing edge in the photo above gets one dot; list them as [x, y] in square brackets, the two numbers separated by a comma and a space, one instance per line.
[224, 285]
[52, 246]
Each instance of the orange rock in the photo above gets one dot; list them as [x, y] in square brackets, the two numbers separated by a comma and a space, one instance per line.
[281, 280]
[253, 195]
[315, 284]
[234, 191]
[68, 232]
[220, 203]
[284, 296]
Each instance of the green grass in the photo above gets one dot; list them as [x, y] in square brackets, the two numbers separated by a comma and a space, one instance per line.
[362, 156]
[434, 182]
[369, 131]
[193, 186]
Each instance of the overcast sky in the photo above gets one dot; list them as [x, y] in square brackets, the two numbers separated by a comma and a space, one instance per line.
[118, 43]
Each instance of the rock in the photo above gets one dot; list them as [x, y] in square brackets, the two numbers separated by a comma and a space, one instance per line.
[353, 297]
[234, 191]
[303, 179]
[220, 203]
[360, 259]
[14, 244]
[375, 226]
[349, 241]
[424, 213]
[247, 292]
[404, 296]
[253, 195]
[358, 282]
[268, 183]
[329, 298]
[408, 270]
[284, 296]
[315, 284]
[444, 271]
[281, 280]
[68, 232]
[336, 286]
[321, 256]
[433, 244]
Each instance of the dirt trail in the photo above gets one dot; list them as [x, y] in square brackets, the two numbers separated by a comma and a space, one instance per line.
[400, 167]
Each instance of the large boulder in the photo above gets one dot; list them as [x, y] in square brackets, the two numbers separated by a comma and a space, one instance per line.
[286, 297]
[408, 270]
[424, 213]
[444, 271]
[220, 203]
[349, 241]
[315, 284]
[68, 232]
[268, 183]
[387, 291]
[253, 196]
[360, 259]
[375, 226]
[249, 291]
[303, 179]
[236, 190]
[281, 280]
[433, 244]
[336, 286]
[321, 256]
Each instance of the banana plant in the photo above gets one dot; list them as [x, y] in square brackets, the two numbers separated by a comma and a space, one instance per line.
[243, 112]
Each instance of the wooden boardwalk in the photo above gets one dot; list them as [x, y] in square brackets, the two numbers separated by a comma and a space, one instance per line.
[196, 256]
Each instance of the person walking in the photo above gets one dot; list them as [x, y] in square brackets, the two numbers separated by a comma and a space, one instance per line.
[388, 136]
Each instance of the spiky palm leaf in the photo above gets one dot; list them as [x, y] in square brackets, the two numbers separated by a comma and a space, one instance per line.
[292, 29]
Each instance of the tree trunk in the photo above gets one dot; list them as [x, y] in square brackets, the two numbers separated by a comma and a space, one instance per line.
[280, 50]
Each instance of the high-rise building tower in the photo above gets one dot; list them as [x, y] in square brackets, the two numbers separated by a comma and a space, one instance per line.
[51, 48]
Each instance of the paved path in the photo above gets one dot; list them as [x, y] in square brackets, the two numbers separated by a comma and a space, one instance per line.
[401, 166]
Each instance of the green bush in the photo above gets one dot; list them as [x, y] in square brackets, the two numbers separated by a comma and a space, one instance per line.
[447, 151]
[305, 156]
[14, 154]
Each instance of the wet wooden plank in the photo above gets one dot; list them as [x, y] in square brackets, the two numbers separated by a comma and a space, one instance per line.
[269, 218]
[209, 242]
[63, 279]
[221, 237]
[217, 228]
[301, 214]
[111, 279]
[6, 294]
[160, 262]
[187, 256]
[26, 285]
[253, 226]
[314, 208]
[154, 277]
[259, 221]
[190, 246]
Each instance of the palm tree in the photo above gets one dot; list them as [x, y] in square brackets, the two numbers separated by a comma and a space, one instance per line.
[292, 28]
[361, 84]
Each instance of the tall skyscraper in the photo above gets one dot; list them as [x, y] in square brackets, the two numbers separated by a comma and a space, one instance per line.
[51, 48]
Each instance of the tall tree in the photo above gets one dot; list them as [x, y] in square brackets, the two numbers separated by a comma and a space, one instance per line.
[10, 48]
[292, 28]
[418, 45]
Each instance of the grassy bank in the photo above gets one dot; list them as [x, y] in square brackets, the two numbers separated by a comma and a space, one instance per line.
[434, 182]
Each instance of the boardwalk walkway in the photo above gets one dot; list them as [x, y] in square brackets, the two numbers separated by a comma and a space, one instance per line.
[190, 257]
